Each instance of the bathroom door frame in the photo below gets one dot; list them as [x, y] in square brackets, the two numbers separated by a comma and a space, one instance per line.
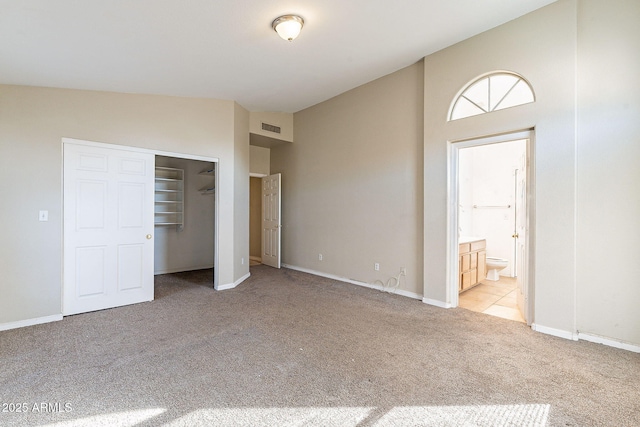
[453, 193]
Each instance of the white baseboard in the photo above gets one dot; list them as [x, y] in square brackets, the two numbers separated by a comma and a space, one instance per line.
[180, 270]
[256, 258]
[436, 303]
[242, 279]
[353, 282]
[404, 293]
[609, 342]
[555, 332]
[226, 286]
[587, 337]
[30, 322]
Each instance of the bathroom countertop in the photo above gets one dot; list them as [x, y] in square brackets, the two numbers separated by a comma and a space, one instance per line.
[469, 239]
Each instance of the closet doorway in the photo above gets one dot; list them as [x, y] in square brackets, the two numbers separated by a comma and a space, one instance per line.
[110, 193]
[184, 215]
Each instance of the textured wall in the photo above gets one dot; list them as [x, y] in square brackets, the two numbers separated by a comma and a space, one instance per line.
[608, 181]
[352, 183]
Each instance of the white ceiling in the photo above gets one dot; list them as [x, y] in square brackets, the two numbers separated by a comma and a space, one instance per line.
[226, 49]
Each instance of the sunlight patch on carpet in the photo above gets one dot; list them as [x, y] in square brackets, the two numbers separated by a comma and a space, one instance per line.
[440, 416]
[480, 415]
[341, 416]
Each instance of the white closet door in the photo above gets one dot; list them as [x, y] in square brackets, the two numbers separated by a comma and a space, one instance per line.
[271, 224]
[108, 227]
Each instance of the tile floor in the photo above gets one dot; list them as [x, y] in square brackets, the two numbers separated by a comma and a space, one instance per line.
[494, 298]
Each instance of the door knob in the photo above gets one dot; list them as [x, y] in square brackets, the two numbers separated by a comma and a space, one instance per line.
[148, 236]
[515, 236]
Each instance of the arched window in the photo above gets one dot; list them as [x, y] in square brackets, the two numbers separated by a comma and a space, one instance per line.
[492, 92]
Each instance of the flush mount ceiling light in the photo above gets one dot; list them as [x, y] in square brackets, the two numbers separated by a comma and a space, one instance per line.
[288, 26]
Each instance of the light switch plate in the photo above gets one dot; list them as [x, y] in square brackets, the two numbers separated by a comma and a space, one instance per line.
[43, 216]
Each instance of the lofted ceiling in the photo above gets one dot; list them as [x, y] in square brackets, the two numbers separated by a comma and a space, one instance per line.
[226, 49]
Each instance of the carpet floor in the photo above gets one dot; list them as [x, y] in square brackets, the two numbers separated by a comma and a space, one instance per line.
[288, 348]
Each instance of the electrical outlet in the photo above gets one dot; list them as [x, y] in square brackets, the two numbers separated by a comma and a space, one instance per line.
[403, 271]
[376, 266]
[319, 257]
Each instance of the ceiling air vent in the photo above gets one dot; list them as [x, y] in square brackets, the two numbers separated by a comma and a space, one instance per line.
[270, 128]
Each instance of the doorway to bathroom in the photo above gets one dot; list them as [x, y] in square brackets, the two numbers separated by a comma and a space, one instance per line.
[489, 225]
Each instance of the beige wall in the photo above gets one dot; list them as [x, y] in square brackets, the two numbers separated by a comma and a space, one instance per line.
[283, 120]
[586, 182]
[241, 192]
[352, 183]
[260, 160]
[32, 124]
[608, 179]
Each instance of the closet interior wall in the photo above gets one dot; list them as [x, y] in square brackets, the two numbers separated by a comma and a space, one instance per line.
[191, 246]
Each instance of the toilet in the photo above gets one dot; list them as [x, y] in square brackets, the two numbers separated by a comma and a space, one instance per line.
[494, 265]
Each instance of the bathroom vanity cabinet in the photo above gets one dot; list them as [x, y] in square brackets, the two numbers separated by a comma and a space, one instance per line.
[473, 263]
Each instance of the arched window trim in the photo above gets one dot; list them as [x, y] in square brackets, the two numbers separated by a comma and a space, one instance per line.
[471, 83]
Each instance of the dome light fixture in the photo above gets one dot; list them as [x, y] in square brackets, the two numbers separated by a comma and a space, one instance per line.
[288, 26]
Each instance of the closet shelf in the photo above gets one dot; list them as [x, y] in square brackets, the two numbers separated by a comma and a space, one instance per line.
[169, 196]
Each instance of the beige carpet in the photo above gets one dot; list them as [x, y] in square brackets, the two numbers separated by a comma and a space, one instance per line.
[287, 348]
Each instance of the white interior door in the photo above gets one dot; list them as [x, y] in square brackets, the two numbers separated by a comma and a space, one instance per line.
[108, 227]
[271, 224]
[520, 236]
